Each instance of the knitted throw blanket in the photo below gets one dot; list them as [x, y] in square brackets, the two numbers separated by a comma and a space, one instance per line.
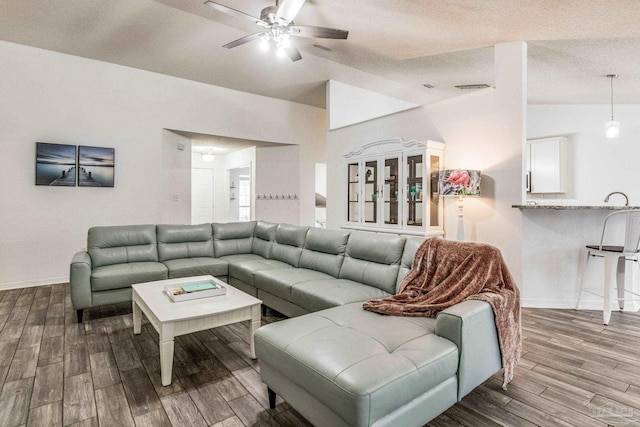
[445, 273]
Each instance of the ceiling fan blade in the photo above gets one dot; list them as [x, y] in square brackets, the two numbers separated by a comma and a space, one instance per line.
[236, 13]
[242, 40]
[289, 9]
[293, 53]
[318, 32]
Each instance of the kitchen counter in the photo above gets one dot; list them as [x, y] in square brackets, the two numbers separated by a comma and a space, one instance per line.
[580, 207]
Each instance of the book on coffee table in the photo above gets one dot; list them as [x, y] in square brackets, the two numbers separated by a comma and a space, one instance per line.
[194, 290]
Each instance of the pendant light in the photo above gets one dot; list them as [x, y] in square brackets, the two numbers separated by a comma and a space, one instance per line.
[612, 127]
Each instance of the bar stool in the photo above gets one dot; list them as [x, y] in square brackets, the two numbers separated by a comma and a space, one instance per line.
[615, 254]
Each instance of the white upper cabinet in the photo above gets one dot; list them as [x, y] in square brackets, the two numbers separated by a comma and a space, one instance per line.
[548, 164]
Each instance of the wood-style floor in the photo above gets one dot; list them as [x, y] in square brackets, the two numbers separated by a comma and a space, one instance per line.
[53, 371]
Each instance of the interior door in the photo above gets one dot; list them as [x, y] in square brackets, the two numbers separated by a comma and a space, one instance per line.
[201, 196]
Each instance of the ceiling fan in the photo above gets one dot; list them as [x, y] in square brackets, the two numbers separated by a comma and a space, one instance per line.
[278, 27]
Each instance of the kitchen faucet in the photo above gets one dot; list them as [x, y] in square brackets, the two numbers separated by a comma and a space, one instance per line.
[626, 203]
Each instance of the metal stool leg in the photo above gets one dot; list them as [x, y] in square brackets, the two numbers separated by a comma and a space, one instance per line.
[608, 289]
[620, 280]
[581, 280]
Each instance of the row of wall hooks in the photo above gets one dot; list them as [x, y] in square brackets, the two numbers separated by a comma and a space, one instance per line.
[280, 196]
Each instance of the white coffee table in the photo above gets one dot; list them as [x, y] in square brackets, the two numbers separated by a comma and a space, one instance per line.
[172, 319]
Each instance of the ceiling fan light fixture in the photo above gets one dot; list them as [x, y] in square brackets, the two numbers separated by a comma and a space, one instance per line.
[280, 53]
[264, 44]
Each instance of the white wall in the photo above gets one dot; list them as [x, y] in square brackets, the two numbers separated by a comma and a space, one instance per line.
[483, 130]
[175, 197]
[53, 97]
[276, 168]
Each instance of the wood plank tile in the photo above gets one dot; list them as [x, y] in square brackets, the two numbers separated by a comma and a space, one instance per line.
[40, 303]
[183, 365]
[51, 350]
[104, 369]
[112, 407]
[12, 330]
[79, 403]
[613, 413]
[152, 367]
[31, 336]
[193, 348]
[54, 327]
[146, 345]
[74, 337]
[556, 410]
[19, 312]
[14, 401]
[37, 317]
[24, 363]
[98, 343]
[125, 355]
[140, 392]
[230, 388]
[250, 380]
[46, 415]
[251, 412]
[230, 422]
[225, 355]
[182, 411]
[76, 362]
[157, 418]
[291, 418]
[474, 403]
[47, 387]
[210, 403]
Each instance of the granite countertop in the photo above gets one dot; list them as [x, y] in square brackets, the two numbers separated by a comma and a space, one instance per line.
[580, 207]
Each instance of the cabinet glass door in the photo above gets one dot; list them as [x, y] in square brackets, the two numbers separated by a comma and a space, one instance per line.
[390, 191]
[414, 189]
[370, 191]
[434, 192]
[353, 214]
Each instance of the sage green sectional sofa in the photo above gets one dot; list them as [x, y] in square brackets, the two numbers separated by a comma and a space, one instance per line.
[335, 363]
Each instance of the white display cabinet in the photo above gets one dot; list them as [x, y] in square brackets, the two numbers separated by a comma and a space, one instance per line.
[392, 187]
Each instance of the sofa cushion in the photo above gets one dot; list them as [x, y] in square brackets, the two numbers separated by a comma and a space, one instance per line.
[410, 247]
[362, 365]
[280, 282]
[288, 243]
[233, 238]
[123, 275]
[324, 250]
[186, 267]
[315, 295]
[373, 259]
[184, 241]
[246, 270]
[121, 244]
[263, 237]
[240, 258]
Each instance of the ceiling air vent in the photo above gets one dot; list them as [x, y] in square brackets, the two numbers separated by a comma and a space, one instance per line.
[472, 87]
[326, 49]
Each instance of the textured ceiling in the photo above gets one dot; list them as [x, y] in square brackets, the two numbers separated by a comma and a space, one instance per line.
[394, 46]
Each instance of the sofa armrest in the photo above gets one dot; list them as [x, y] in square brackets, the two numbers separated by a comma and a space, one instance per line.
[471, 326]
[80, 279]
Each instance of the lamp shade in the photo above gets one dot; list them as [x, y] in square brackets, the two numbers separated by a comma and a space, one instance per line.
[459, 182]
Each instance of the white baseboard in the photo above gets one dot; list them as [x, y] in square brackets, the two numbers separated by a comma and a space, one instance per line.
[32, 283]
[568, 304]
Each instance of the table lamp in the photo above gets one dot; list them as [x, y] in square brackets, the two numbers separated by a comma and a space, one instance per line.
[460, 183]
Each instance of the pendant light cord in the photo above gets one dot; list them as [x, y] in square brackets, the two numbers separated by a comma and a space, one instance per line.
[611, 77]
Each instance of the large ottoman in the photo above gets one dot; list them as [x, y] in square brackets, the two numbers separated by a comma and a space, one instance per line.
[346, 366]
